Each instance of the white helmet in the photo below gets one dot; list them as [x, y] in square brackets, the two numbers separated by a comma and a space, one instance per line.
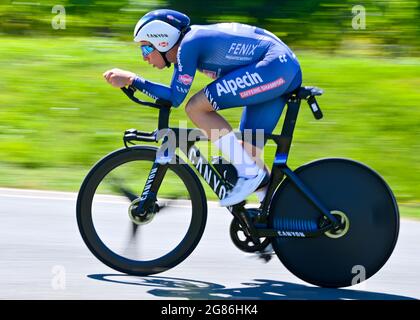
[163, 28]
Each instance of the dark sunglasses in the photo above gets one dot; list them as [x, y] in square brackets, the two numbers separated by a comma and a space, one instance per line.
[146, 50]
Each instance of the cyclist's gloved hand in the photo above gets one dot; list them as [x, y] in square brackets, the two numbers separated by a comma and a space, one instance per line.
[119, 78]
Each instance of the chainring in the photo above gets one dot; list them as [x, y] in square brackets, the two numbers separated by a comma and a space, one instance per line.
[239, 237]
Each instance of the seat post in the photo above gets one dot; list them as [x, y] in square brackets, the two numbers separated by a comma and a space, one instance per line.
[293, 105]
[284, 141]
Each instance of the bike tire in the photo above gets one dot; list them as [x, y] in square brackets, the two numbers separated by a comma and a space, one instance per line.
[116, 261]
[358, 191]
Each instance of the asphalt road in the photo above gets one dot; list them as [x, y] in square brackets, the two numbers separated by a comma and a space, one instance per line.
[43, 257]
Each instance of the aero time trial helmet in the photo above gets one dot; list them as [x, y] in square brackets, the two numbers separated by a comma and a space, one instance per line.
[163, 28]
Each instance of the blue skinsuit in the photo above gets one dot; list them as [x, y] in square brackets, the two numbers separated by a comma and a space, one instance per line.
[250, 66]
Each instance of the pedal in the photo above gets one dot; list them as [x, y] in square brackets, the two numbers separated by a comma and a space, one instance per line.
[266, 254]
[266, 257]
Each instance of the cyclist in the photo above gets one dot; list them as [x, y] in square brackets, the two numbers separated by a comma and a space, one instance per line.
[250, 67]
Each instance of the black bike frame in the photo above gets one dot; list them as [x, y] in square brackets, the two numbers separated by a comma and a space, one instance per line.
[217, 183]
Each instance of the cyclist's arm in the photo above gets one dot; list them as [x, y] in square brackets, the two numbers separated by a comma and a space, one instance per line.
[153, 89]
[182, 78]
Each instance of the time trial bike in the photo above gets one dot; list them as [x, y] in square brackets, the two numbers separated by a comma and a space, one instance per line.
[142, 209]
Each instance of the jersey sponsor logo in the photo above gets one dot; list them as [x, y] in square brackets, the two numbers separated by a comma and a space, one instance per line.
[181, 90]
[157, 35]
[163, 44]
[211, 99]
[178, 58]
[262, 88]
[231, 86]
[149, 94]
[283, 58]
[185, 79]
[242, 49]
[238, 58]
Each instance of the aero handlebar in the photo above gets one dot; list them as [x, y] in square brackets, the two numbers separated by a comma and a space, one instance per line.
[159, 104]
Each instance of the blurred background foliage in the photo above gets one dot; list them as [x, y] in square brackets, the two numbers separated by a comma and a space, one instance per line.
[392, 25]
[58, 116]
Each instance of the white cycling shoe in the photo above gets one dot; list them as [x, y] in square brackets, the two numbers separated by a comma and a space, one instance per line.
[243, 188]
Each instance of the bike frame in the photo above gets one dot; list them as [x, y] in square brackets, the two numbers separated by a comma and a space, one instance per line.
[217, 183]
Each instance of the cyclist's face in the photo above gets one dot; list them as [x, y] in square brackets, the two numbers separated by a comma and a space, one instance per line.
[153, 57]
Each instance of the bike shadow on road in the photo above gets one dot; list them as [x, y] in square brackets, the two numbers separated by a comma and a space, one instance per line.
[258, 289]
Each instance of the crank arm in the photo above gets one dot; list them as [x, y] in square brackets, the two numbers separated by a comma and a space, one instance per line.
[249, 229]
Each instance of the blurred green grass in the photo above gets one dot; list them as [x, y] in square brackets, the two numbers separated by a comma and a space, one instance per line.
[58, 116]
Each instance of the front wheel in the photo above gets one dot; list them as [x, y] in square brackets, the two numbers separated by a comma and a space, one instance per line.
[161, 239]
[358, 196]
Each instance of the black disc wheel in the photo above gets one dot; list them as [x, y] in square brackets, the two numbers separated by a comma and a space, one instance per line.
[361, 200]
[169, 228]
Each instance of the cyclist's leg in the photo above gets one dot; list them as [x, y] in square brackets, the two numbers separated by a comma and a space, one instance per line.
[256, 120]
[201, 113]
[260, 119]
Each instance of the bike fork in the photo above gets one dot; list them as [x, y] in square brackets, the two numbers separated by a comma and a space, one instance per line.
[151, 188]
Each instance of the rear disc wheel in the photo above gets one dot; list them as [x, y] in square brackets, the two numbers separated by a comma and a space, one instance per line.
[357, 196]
